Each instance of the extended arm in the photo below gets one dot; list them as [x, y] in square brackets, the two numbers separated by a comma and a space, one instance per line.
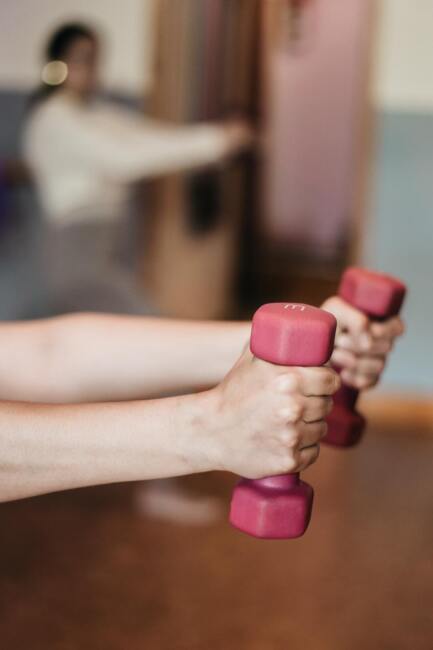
[47, 448]
[118, 146]
[261, 419]
[90, 357]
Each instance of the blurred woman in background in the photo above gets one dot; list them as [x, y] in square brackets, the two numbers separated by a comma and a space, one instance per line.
[84, 155]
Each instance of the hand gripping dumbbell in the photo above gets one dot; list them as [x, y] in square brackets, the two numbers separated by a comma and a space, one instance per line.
[379, 296]
[279, 507]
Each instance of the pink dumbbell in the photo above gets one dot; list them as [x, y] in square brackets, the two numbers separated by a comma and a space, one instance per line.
[379, 296]
[287, 334]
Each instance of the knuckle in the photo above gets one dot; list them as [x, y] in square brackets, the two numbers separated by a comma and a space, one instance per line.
[296, 435]
[282, 416]
[290, 413]
[323, 430]
[287, 383]
[285, 438]
[296, 412]
[290, 464]
[332, 381]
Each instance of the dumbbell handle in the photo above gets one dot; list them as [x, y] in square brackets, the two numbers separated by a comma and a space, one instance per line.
[346, 396]
[279, 482]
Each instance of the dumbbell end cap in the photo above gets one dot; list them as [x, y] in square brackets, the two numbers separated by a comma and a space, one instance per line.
[377, 294]
[292, 334]
[270, 513]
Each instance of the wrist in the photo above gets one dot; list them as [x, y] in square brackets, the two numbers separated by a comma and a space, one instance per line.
[206, 444]
[223, 345]
[198, 442]
[234, 337]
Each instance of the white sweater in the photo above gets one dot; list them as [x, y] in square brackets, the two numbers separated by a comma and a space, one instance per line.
[83, 157]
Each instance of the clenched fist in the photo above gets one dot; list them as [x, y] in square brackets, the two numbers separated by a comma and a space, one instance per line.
[361, 346]
[269, 419]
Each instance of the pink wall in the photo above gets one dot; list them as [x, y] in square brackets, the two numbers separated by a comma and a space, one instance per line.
[316, 99]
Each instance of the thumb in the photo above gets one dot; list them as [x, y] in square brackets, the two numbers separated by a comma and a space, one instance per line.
[349, 318]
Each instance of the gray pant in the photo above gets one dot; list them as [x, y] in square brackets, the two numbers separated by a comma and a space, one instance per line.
[83, 270]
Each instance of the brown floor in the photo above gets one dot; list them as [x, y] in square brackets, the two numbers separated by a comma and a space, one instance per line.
[82, 571]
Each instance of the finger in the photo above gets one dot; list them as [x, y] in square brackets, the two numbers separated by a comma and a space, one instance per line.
[309, 433]
[359, 381]
[348, 318]
[370, 365]
[316, 408]
[367, 364]
[362, 345]
[380, 347]
[357, 344]
[318, 381]
[344, 358]
[388, 329]
[307, 457]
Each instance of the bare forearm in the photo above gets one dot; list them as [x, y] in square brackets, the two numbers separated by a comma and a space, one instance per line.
[93, 357]
[147, 357]
[238, 426]
[50, 448]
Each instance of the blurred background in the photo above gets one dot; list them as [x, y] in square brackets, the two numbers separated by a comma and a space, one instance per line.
[201, 158]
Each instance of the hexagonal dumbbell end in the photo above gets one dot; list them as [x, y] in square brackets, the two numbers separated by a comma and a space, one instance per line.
[379, 296]
[278, 507]
[289, 334]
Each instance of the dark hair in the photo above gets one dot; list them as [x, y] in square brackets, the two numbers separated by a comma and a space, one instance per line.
[56, 49]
